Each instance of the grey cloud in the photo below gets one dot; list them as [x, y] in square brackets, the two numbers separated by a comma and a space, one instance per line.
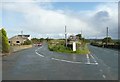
[102, 16]
[39, 20]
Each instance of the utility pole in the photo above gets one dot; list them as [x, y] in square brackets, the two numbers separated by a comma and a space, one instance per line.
[81, 32]
[22, 36]
[65, 36]
[107, 36]
[22, 33]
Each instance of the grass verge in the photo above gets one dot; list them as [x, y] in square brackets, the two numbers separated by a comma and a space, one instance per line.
[58, 46]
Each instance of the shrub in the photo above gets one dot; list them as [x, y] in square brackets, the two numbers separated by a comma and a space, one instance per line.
[27, 42]
[5, 44]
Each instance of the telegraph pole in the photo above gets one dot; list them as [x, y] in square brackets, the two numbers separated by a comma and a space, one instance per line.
[81, 32]
[107, 36]
[65, 36]
[22, 36]
[22, 33]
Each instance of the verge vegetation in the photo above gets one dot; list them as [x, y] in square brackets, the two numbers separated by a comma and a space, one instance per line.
[59, 46]
[4, 46]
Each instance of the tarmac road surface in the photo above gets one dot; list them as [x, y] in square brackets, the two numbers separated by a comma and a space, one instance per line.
[38, 63]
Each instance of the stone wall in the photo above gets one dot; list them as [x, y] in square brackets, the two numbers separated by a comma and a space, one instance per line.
[20, 47]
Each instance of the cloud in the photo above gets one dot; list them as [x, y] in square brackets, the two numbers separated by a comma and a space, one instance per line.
[39, 18]
[59, 0]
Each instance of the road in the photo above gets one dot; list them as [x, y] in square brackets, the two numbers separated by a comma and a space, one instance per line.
[38, 63]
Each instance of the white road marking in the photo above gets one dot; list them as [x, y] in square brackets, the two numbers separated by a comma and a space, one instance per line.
[88, 59]
[73, 62]
[65, 60]
[36, 51]
[103, 76]
[39, 54]
[93, 58]
[92, 63]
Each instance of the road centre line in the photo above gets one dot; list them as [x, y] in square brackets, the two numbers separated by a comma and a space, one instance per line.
[39, 54]
[104, 76]
[93, 58]
[36, 51]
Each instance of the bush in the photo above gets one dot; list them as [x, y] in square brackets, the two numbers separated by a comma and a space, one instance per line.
[0, 41]
[5, 44]
[27, 42]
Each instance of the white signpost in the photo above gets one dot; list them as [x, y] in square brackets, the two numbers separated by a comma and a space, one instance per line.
[74, 46]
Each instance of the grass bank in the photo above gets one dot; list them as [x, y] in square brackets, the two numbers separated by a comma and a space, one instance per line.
[58, 46]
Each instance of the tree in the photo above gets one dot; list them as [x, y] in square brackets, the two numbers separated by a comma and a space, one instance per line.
[0, 41]
[27, 42]
[79, 35]
[107, 39]
[41, 39]
[47, 39]
[5, 44]
[35, 40]
[117, 43]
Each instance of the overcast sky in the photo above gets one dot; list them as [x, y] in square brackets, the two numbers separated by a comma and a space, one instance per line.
[48, 19]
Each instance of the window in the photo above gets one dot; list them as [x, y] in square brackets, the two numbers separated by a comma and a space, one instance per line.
[17, 41]
[9, 41]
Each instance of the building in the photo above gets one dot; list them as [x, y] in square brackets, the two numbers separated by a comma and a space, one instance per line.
[19, 39]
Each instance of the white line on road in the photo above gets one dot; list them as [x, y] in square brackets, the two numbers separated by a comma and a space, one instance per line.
[39, 54]
[88, 59]
[104, 76]
[65, 60]
[73, 62]
[93, 58]
[92, 63]
[36, 51]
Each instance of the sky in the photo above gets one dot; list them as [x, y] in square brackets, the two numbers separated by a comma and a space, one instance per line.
[48, 19]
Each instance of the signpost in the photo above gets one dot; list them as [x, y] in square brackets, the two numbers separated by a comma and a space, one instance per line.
[74, 46]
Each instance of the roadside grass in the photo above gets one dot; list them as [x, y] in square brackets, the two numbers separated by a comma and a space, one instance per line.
[83, 50]
[58, 46]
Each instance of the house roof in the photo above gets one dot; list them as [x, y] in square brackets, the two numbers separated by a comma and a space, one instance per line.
[24, 35]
